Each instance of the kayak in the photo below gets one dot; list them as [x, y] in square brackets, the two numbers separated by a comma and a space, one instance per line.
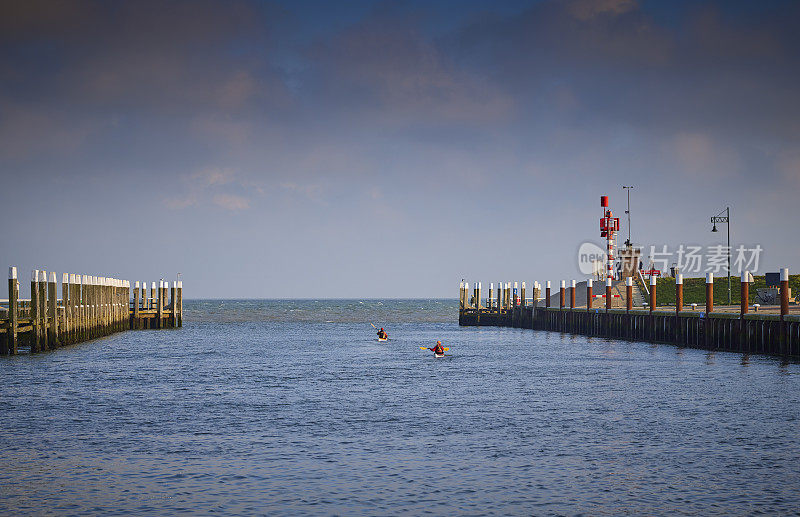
[382, 338]
[438, 355]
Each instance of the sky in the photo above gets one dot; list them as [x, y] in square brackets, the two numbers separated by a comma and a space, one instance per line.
[373, 149]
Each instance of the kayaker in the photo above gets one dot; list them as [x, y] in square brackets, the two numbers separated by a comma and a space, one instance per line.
[382, 334]
[438, 349]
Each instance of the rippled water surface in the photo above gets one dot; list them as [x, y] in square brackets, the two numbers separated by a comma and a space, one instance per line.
[292, 407]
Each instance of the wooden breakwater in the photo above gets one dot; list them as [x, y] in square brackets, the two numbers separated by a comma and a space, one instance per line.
[772, 330]
[85, 307]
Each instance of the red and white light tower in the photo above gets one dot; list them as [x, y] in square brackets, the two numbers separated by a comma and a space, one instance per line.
[608, 225]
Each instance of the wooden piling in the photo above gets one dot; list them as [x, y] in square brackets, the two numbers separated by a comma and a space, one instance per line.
[608, 293]
[784, 292]
[678, 293]
[572, 295]
[653, 286]
[562, 295]
[136, 301]
[522, 294]
[629, 293]
[180, 303]
[589, 296]
[52, 312]
[709, 292]
[547, 295]
[13, 312]
[744, 293]
[160, 300]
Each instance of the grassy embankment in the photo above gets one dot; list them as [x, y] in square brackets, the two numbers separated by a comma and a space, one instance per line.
[694, 290]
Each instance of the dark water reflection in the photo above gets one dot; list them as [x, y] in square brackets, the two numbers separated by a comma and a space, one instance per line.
[263, 414]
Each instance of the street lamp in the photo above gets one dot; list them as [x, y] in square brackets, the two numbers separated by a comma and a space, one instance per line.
[719, 218]
[628, 211]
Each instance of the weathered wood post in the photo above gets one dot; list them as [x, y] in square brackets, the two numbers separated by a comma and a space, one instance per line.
[572, 295]
[628, 293]
[478, 290]
[83, 305]
[499, 297]
[13, 311]
[489, 297]
[589, 295]
[180, 303]
[42, 297]
[547, 295]
[784, 291]
[135, 320]
[562, 295]
[174, 306]
[653, 284]
[144, 298]
[52, 311]
[709, 308]
[34, 312]
[709, 292]
[744, 303]
[535, 296]
[522, 294]
[64, 334]
[461, 305]
[678, 308]
[160, 303]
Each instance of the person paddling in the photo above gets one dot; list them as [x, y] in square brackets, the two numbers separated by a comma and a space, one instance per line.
[382, 334]
[438, 349]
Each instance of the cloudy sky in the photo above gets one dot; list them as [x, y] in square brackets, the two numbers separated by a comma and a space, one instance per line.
[389, 149]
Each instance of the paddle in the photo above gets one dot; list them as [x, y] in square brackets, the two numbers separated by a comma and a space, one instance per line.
[426, 348]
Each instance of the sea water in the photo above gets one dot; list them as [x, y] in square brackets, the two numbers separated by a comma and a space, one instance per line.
[293, 407]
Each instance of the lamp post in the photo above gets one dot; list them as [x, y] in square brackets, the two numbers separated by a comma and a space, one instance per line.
[628, 211]
[719, 218]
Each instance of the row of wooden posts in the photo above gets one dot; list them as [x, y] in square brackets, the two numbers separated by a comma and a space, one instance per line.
[89, 307]
[509, 296]
[743, 332]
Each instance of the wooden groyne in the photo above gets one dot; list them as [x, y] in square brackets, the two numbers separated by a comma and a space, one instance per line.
[85, 307]
[772, 330]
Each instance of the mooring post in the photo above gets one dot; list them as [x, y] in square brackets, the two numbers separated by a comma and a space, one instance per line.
[508, 295]
[653, 285]
[709, 308]
[43, 309]
[629, 293]
[572, 295]
[52, 311]
[160, 304]
[180, 303]
[744, 303]
[13, 311]
[678, 330]
[608, 293]
[709, 292]
[64, 334]
[522, 294]
[784, 309]
[535, 295]
[83, 280]
[589, 295]
[562, 295]
[135, 322]
[489, 297]
[784, 292]
[34, 312]
[547, 295]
